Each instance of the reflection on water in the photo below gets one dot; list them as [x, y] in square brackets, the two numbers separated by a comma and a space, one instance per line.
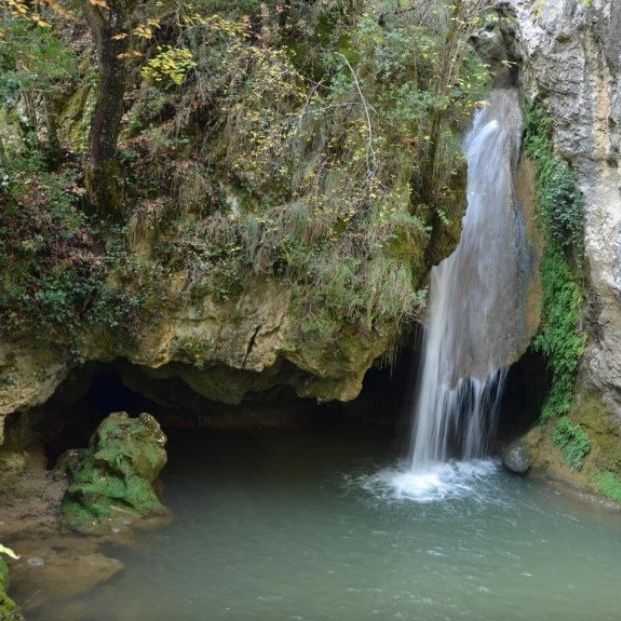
[296, 526]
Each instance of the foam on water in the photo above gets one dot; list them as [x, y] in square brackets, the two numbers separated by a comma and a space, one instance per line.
[438, 482]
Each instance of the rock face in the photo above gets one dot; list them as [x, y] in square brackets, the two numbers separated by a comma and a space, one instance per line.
[28, 377]
[222, 351]
[66, 568]
[110, 484]
[571, 59]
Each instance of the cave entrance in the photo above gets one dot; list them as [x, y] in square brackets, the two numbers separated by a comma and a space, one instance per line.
[526, 387]
[92, 392]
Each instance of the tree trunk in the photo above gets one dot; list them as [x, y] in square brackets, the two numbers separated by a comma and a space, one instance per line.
[110, 28]
[106, 120]
[53, 148]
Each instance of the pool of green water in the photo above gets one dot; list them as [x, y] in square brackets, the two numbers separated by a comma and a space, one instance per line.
[307, 526]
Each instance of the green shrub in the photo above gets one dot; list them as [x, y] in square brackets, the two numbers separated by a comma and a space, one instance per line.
[55, 271]
[573, 442]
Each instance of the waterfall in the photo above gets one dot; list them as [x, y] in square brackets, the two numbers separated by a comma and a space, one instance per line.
[475, 325]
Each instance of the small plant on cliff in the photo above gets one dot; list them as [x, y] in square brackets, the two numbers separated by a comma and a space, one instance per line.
[561, 213]
[573, 442]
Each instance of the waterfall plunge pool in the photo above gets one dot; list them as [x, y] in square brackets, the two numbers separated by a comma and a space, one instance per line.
[296, 525]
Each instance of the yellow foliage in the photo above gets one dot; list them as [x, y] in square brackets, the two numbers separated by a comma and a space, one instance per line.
[171, 63]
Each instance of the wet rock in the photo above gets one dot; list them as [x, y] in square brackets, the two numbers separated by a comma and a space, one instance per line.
[67, 463]
[111, 483]
[28, 377]
[69, 567]
[29, 497]
[36, 561]
[517, 457]
[12, 464]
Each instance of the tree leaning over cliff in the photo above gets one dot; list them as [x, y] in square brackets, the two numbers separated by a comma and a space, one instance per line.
[110, 22]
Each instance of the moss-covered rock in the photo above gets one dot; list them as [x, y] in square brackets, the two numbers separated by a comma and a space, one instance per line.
[8, 609]
[583, 449]
[111, 483]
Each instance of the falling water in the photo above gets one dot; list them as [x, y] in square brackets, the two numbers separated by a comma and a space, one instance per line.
[475, 323]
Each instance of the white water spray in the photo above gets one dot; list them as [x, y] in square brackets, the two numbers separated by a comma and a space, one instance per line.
[475, 321]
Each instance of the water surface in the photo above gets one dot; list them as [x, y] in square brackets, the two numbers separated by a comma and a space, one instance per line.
[302, 525]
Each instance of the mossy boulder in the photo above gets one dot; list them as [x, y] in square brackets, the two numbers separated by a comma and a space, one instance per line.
[8, 609]
[583, 449]
[111, 482]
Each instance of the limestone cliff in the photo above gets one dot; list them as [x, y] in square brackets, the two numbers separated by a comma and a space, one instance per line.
[571, 59]
[221, 351]
[569, 53]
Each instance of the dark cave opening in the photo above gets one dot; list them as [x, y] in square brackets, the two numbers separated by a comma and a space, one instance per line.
[92, 392]
[526, 387]
[68, 419]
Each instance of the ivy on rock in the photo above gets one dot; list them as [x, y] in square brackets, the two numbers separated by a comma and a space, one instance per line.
[561, 216]
[560, 339]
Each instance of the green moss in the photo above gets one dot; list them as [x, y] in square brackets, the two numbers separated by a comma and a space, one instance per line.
[111, 482]
[8, 609]
[4, 574]
[194, 350]
[75, 113]
[561, 216]
[559, 199]
[609, 485]
[591, 413]
[573, 442]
